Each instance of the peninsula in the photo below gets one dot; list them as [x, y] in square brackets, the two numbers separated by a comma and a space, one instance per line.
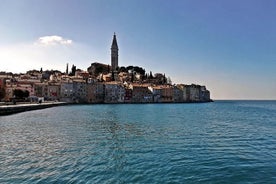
[100, 83]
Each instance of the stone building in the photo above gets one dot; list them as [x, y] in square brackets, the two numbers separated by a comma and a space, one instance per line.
[66, 91]
[177, 94]
[156, 93]
[53, 91]
[166, 94]
[95, 92]
[41, 89]
[114, 92]
[141, 93]
[128, 95]
[80, 91]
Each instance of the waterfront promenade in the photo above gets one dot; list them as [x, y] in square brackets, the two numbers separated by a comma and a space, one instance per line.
[12, 109]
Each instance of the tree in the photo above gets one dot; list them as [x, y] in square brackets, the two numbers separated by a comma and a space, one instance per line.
[169, 81]
[26, 94]
[2, 93]
[146, 76]
[67, 69]
[139, 70]
[132, 76]
[112, 76]
[164, 79]
[18, 93]
[99, 69]
[122, 69]
[73, 70]
[150, 76]
[108, 69]
[129, 67]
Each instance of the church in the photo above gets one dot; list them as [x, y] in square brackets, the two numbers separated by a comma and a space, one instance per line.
[114, 54]
[96, 68]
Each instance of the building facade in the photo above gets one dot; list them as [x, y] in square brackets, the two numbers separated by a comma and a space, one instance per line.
[141, 93]
[95, 92]
[66, 91]
[114, 92]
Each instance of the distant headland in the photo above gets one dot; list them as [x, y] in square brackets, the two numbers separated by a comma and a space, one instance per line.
[100, 83]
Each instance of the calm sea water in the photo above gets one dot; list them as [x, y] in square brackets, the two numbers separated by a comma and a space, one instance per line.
[220, 142]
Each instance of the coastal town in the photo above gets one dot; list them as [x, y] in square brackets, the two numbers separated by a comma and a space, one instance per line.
[99, 83]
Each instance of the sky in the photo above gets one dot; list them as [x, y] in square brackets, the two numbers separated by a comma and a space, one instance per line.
[228, 46]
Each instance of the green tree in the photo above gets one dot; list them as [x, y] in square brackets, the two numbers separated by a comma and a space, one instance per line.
[73, 70]
[132, 76]
[123, 69]
[146, 76]
[164, 79]
[99, 69]
[67, 69]
[2, 93]
[112, 76]
[26, 94]
[150, 76]
[18, 93]
[169, 81]
[129, 67]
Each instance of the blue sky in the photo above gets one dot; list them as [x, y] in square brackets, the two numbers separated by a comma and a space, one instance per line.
[229, 46]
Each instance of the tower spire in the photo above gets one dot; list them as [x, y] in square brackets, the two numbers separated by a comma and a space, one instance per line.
[114, 53]
[114, 42]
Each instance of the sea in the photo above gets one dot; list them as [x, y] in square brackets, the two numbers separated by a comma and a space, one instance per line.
[219, 142]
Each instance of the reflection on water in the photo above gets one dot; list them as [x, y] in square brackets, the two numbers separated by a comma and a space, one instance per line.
[218, 142]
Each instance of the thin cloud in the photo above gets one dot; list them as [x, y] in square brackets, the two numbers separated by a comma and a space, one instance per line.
[53, 40]
[21, 57]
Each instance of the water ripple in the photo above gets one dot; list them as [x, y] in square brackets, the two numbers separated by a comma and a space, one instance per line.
[219, 142]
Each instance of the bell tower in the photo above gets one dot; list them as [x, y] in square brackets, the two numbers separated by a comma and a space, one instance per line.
[114, 54]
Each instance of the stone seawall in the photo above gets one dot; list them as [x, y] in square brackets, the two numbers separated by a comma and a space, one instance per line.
[12, 109]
